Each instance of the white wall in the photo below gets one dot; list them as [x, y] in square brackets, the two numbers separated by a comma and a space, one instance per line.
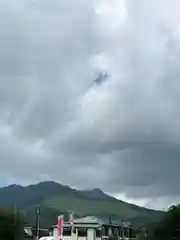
[90, 234]
[55, 232]
[56, 237]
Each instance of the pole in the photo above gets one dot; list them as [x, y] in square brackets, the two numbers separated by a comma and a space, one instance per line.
[123, 229]
[37, 222]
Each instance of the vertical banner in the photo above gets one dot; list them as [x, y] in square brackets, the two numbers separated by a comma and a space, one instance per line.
[71, 222]
[71, 219]
[60, 225]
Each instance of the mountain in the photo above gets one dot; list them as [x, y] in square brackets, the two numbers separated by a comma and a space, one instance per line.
[95, 193]
[55, 199]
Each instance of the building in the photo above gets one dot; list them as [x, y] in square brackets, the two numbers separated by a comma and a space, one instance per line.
[30, 232]
[91, 227]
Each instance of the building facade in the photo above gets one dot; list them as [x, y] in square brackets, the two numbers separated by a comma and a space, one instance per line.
[91, 227]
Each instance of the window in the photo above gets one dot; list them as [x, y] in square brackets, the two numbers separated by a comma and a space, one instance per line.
[66, 231]
[120, 232]
[125, 233]
[116, 232]
[103, 231]
[106, 231]
[82, 232]
[98, 233]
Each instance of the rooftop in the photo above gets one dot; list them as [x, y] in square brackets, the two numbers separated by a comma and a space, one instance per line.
[95, 222]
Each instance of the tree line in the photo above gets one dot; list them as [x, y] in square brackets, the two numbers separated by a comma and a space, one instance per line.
[167, 229]
[11, 226]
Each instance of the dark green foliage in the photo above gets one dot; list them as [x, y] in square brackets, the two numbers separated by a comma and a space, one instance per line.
[170, 226]
[167, 229]
[11, 226]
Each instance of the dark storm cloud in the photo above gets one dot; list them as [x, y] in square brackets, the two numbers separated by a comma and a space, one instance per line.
[125, 133]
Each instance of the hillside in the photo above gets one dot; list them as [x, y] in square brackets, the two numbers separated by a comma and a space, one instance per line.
[54, 199]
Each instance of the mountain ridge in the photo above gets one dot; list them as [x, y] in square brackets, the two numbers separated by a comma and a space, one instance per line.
[55, 198]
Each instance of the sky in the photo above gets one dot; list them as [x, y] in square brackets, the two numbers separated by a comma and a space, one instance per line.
[122, 136]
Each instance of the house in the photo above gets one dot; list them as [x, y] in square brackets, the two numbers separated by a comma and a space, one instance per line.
[94, 227]
[30, 232]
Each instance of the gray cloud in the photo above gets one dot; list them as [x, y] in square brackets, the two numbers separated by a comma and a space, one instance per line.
[125, 133]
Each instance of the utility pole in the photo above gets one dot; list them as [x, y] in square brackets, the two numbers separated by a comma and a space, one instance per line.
[37, 222]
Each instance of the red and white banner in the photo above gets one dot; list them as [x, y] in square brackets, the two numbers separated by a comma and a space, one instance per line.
[60, 225]
[71, 219]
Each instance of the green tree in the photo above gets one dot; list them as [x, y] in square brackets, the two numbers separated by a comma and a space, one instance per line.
[11, 226]
[168, 228]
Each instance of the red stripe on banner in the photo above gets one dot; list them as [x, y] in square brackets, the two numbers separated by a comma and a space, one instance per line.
[71, 219]
[60, 225]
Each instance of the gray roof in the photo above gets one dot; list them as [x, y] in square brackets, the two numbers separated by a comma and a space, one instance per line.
[87, 219]
[92, 221]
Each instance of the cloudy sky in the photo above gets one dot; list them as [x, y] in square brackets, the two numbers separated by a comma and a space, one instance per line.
[123, 135]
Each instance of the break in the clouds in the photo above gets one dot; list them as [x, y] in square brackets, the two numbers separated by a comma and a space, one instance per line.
[122, 135]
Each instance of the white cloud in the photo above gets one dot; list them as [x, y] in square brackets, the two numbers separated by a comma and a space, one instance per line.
[160, 203]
